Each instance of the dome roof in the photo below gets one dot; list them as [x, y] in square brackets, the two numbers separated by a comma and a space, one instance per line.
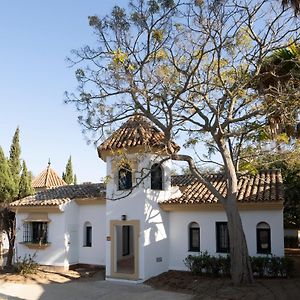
[47, 179]
[137, 131]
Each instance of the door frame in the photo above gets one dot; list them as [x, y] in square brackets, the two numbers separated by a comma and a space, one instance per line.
[113, 249]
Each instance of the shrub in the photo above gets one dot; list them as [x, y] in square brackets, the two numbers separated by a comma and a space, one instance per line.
[207, 264]
[291, 242]
[26, 265]
[262, 266]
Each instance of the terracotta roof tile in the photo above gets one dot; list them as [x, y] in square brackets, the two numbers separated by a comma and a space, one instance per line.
[47, 179]
[62, 194]
[137, 131]
[266, 186]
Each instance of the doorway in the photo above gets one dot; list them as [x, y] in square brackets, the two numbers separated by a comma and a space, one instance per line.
[124, 249]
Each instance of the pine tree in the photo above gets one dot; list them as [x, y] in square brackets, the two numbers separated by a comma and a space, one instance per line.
[25, 188]
[68, 174]
[15, 162]
[7, 185]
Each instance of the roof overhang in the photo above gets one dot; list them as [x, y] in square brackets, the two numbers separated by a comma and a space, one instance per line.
[90, 201]
[219, 207]
[36, 208]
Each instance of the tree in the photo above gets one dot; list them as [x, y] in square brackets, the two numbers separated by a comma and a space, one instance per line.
[68, 176]
[255, 159]
[25, 188]
[295, 4]
[7, 188]
[189, 67]
[15, 161]
[7, 185]
[13, 186]
[75, 179]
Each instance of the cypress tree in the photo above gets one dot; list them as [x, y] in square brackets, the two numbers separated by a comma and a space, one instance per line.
[75, 179]
[7, 185]
[68, 174]
[25, 188]
[14, 161]
[7, 189]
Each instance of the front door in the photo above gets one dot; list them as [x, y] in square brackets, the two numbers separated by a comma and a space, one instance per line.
[124, 249]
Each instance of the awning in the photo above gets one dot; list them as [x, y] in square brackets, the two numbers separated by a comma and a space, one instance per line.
[37, 217]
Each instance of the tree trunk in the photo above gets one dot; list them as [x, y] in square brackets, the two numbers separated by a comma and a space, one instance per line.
[241, 272]
[10, 253]
[1, 247]
[240, 268]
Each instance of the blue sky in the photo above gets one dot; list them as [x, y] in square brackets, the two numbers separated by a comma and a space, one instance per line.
[35, 38]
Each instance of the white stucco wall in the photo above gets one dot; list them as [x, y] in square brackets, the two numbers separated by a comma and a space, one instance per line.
[95, 215]
[71, 234]
[5, 243]
[65, 236]
[55, 254]
[179, 222]
[142, 205]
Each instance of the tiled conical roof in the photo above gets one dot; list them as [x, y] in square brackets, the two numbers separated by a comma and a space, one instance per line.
[47, 179]
[137, 131]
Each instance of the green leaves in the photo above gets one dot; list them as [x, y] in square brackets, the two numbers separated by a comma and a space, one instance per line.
[68, 176]
[158, 35]
[25, 188]
[7, 184]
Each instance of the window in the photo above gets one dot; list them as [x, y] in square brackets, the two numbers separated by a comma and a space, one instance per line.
[156, 177]
[194, 237]
[125, 178]
[35, 232]
[87, 240]
[222, 237]
[263, 238]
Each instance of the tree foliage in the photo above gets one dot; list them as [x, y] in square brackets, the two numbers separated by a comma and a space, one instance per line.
[15, 161]
[191, 68]
[294, 4]
[13, 185]
[255, 159]
[68, 176]
[7, 185]
[25, 187]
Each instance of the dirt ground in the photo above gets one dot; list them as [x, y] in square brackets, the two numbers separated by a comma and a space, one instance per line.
[200, 287]
[221, 288]
[44, 276]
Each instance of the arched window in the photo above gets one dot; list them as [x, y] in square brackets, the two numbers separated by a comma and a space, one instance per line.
[87, 234]
[125, 178]
[263, 238]
[194, 237]
[156, 177]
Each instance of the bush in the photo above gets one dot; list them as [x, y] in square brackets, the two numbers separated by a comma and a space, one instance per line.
[291, 242]
[207, 264]
[262, 266]
[26, 265]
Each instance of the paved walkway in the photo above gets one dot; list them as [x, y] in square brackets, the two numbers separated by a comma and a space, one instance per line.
[87, 290]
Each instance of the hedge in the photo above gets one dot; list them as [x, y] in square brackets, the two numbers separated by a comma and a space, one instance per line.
[262, 266]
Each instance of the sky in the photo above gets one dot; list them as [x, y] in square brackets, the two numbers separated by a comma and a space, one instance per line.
[35, 39]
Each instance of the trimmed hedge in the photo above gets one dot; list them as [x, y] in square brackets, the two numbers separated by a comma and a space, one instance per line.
[262, 266]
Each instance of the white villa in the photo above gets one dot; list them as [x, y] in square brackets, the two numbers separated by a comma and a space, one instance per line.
[141, 232]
